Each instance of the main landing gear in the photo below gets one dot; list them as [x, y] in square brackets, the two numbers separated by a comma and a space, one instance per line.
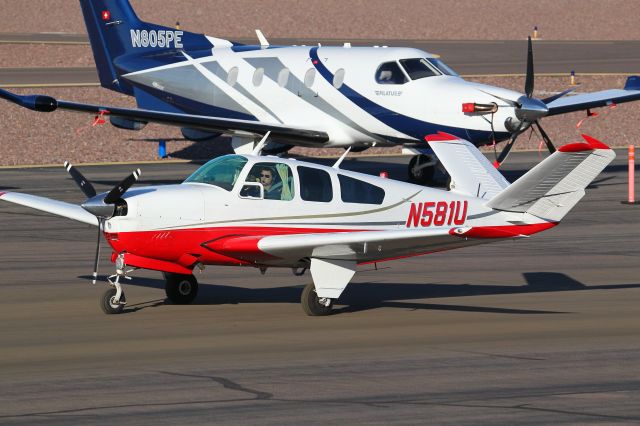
[422, 168]
[314, 305]
[181, 289]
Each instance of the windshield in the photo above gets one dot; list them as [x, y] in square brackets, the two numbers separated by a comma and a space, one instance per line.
[444, 68]
[221, 171]
[419, 68]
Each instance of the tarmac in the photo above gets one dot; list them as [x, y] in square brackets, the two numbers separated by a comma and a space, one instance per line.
[541, 330]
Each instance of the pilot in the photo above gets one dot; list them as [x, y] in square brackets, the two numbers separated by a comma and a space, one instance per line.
[271, 191]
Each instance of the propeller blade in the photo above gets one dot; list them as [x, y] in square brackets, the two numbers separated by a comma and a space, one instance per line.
[558, 95]
[81, 181]
[505, 151]
[122, 187]
[507, 101]
[545, 137]
[528, 84]
[97, 258]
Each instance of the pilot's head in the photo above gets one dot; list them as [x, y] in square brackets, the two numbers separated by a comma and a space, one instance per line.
[266, 177]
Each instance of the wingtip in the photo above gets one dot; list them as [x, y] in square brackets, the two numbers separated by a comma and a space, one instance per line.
[590, 144]
[440, 137]
[594, 143]
[2, 194]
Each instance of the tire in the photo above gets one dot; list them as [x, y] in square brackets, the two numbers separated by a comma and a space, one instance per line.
[106, 302]
[311, 304]
[422, 176]
[181, 289]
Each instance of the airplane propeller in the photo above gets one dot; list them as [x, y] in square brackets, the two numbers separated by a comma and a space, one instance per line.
[102, 206]
[528, 110]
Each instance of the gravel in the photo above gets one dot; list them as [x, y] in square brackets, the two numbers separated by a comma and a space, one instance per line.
[398, 19]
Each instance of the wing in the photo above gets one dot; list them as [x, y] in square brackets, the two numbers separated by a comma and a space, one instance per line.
[291, 134]
[631, 92]
[58, 208]
[364, 246]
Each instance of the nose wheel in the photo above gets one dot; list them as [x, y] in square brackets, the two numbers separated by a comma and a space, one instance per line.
[111, 303]
[312, 304]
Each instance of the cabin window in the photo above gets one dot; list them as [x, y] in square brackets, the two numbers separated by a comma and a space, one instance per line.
[283, 77]
[357, 191]
[315, 185]
[310, 77]
[258, 75]
[390, 73]
[276, 180]
[221, 171]
[338, 78]
[419, 68]
[232, 77]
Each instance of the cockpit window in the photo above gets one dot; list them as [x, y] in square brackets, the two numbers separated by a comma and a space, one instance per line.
[276, 180]
[444, 68]
[390, 73]
[221, 171]
[419, 68]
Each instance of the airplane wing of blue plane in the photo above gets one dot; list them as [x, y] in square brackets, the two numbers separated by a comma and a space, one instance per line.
[298, 136]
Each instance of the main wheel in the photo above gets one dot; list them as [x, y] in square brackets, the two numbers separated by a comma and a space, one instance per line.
[181, 289]
[314, 305]
[420, 176]
[108, 303]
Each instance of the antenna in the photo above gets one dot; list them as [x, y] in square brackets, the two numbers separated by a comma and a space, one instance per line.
[337, 164]
[262, 39]
[258, 149]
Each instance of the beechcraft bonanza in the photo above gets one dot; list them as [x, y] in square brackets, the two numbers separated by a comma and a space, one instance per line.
[313, 96]
[266, 212]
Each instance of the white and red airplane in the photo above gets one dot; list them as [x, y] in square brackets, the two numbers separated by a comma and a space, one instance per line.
[315, 96]
[264, 211]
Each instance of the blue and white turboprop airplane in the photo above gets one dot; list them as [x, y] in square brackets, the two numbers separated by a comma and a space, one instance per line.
[314, 96]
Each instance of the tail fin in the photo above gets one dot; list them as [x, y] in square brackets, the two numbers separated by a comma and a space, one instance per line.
[115, 30]
[553, 187]
[471, 173]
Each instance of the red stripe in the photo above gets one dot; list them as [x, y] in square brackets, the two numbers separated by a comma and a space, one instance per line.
[2, 193]
[507, 231]
[216, 246]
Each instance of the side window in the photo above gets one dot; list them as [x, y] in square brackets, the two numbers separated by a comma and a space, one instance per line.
[338, 78]
[356, 191]
[276, 180]
[310, 77]
[390, 73]
[315, 184]
[283, 77]
[257, 76]
[232, 77]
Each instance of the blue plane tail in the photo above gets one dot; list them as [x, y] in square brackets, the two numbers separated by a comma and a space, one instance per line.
[120, 40]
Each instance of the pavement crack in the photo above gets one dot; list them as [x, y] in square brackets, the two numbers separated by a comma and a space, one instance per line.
[227, 384]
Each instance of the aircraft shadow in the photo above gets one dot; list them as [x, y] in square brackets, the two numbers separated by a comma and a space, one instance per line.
[368, 295]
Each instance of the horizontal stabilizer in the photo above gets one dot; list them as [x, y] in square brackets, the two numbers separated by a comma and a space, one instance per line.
[471, 173]
[553, 187]
[58, 208]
